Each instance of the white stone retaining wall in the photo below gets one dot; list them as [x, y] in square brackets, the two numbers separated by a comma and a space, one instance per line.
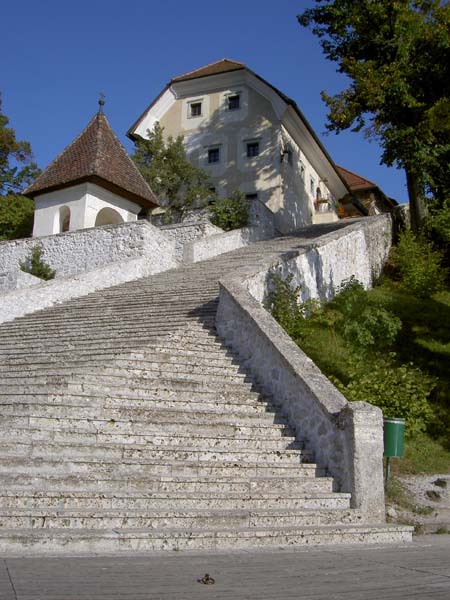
[346, 438]
[320, 268]
[224, 242]
[76, 252]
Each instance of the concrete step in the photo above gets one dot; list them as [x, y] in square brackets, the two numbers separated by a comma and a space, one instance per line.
[141, 387]
[136, 360]
[133, 420]
[40, 429]
[170, 349]
[70, 541]
[20, 443]
[242, 483]
[180, 519]
[137, 329]
[175, 437]
[109, 319]
[130, 398]
[128, 368]
[140, 469]
[108, 453]
[115, 343]
[125, 407]
[24, 498]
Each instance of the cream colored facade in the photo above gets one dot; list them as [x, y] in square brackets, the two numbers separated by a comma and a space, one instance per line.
[248, 136]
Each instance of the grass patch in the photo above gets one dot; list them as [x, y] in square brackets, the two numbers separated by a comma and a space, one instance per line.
[423, 455]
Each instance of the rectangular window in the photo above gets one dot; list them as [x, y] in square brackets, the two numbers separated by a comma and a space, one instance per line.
[302, 172]
[251, 196]
[311, 187]
[234, 102]
[195, 109]
[252, 149]
[213, 155]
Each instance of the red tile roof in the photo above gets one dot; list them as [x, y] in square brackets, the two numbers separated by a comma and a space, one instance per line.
[220, 66]
[354, 181]
[95, 155]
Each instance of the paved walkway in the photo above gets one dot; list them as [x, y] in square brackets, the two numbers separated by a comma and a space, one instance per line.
[419, 571]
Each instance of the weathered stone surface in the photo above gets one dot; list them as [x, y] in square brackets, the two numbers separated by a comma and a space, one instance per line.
[76, 252]
[127, 425]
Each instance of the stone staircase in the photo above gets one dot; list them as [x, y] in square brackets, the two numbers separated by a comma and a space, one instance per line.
[126, 425]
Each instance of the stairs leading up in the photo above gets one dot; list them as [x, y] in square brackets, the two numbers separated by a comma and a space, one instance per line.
[126, 425]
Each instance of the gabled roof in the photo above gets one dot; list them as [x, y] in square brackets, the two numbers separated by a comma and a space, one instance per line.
[96, 155]
[226, 65]
[220, 66]
[355, 181]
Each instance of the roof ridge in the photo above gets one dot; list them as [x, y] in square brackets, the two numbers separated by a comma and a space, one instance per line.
[215, 62]
[356, 175]
[95, 154]
[57, 157]
[98, 135]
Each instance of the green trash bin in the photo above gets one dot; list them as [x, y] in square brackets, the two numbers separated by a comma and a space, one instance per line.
[394, 435]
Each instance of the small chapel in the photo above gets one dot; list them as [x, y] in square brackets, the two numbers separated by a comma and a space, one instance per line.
[92, 182]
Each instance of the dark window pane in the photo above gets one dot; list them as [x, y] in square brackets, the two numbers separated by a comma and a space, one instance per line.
[252, 149]
[233, 102]
[213, 155]
[196, 109]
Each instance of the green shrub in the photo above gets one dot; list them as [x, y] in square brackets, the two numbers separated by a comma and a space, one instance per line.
[230, 213]
[36, 266]
[282, 303]
[420, 265]
[363, 324]
[399, 390]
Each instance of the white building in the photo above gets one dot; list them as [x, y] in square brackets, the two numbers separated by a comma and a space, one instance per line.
[249, 135]
[92, 182]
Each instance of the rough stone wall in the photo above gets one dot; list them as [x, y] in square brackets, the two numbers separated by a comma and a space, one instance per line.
[346, 438]
[261, 217]
[224, 242]
[76, 252]
[183, 233]
[320, 268]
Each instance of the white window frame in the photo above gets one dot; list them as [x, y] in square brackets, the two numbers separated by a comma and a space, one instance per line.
[191, 104]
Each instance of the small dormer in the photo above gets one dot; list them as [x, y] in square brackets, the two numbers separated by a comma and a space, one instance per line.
[92, 182]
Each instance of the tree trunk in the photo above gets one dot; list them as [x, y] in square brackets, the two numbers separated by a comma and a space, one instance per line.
[417, 207]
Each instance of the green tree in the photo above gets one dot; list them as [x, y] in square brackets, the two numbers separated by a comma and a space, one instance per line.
[396, 55]
[171, 176]
[16, 217]
[16, 171]
[230, 213]
[16, 167]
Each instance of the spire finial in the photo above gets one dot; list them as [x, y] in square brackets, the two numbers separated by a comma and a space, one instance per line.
[101, 102]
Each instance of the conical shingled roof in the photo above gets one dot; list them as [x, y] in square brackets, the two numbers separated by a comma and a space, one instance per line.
[96, 155]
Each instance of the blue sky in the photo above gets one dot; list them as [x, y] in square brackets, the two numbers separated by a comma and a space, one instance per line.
[56, 56]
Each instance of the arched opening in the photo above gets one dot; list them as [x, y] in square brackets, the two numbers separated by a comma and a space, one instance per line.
[64, 219]
[108, 216]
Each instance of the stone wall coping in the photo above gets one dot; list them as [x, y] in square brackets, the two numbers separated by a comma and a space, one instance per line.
[329, 398]
[36, 240]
